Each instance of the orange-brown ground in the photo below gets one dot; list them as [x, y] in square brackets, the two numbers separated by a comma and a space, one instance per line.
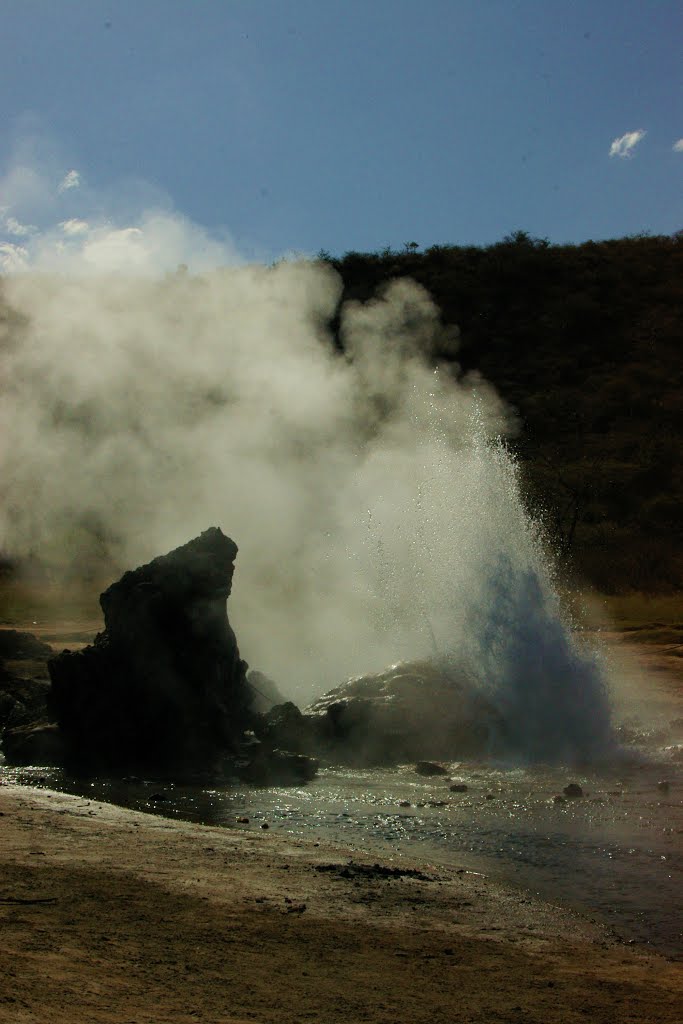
[113, 916]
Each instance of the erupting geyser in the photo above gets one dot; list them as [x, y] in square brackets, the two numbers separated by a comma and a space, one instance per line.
[468, 587]
[378, 515]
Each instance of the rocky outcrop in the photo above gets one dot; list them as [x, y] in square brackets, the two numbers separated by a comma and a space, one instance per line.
[37, 743]
[23, 693]
[163, 687]
[408, 712]
[265, 693]
[163, 690]
[18, 646]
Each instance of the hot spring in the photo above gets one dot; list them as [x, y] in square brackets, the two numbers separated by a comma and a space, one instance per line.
[379, 518]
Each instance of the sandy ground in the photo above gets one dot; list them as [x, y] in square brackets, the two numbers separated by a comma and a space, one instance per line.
[110, 915]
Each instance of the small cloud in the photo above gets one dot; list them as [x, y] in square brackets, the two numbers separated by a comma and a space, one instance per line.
[12, 257]
[16, 228]
[678, 146]
[74, 226]
[623, 146]
[69, 181]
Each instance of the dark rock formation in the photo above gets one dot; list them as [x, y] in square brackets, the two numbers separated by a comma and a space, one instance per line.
[265, 693]
[23, 693]
[18, 646]
[22, 701]
[430, 768]
[406, 713]
[37, 743]
[163, 687]
[265, 766]
[285, 727]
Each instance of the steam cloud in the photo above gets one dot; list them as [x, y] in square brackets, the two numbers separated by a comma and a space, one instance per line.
[142, 409]
[377, 514]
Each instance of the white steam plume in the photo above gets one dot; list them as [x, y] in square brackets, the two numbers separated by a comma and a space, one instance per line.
[377, 515]
[144, 410]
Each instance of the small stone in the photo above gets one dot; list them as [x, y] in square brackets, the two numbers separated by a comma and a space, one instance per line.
[458, 787]
[404, 803]
[242, 821]
[559, 799]
[264, 824]
[573, 790]
[430, 768]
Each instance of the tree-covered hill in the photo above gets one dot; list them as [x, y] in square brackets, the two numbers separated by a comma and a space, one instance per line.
[586, 342]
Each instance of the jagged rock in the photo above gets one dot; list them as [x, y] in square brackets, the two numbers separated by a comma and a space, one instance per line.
[16, 646]
[163, 687]
[22, 701]
[35, 744]
[406, 713]
[286, 728]
[268, 767]
[265, 693]
[430, 768]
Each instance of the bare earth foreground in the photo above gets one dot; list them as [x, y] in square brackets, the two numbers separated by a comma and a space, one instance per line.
[111, 915]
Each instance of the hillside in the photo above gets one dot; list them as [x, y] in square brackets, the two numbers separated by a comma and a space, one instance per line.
[586, 343]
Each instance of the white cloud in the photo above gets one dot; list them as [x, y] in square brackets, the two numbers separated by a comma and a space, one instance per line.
[127, 227]
[74, 226]
[12, 257]
[69, 181]
[678, 146]
[150, 243]
[624, 146]
[16, 228]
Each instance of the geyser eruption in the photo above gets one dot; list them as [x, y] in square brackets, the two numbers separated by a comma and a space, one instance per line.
[483, 604]
[377, 513]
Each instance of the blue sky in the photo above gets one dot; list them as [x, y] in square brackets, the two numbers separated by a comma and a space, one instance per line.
[265, 127]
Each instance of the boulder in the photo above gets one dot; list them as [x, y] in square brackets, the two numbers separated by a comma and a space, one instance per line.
[33, 744]
[409, 712]
[265, 692]
[163, 687]
[286, 728]
[267, 767]
[18, 646]
[430, 768]
[23, 693]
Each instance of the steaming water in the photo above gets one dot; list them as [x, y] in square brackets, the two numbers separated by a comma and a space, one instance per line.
[482, 599]
[378, 520]
[614, 855]
[465, 579]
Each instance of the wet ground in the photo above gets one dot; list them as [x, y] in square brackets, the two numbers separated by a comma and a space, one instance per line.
[615, 853]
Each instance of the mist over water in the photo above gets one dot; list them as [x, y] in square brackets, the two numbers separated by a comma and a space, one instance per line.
[377, 512]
